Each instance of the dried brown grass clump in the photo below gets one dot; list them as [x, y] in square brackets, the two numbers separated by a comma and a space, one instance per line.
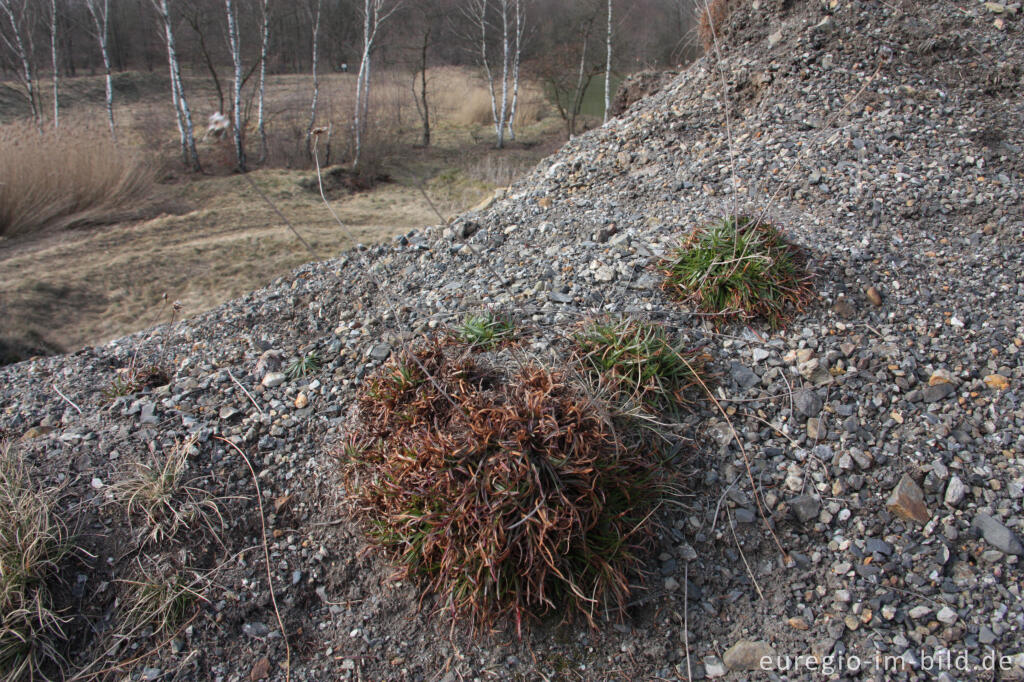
[33, 542]
[63, 177]
[506, 490]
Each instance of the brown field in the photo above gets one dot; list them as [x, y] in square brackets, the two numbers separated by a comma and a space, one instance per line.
[77, 276]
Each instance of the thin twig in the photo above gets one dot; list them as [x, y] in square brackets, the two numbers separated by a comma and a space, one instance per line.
[70, 402]
[686, 617]
[247, 394]
[266, 555]
[739, 548]
[282, 216]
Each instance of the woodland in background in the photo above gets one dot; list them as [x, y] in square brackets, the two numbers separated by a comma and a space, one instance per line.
[566, 46]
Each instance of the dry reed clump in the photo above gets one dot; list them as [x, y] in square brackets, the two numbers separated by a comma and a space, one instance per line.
[505, 489]
[64, 177]
[33, 543]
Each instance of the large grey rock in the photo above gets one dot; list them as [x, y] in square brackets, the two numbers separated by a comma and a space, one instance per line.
[997, 535]
[807, 403]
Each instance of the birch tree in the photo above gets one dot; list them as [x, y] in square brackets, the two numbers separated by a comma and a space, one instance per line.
[183, 114]
[53, 62]
[17, 37]
[310, 140]
[517, 52]
[503, 107]
[236, 89]
[99, 10]
[375, 13]
[264, 46]
[608, 65]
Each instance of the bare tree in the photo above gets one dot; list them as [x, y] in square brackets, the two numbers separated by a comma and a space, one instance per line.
[236, 89]
[517, 53]
[183, 113]
[99, 10]
[608, 65]
[375, 13]
[264, 47]
[53, 62]
[504, 95]
[310, 140]
[199, 18]
[17, 37]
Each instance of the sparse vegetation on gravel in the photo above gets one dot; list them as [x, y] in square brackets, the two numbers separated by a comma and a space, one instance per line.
[33, 543]
[639, 364]
[740, 267]
[161, 492]
[506, 490]
[484, 330]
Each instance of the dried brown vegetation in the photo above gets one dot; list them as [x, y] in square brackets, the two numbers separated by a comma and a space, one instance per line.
[508, 490]
[74, 175]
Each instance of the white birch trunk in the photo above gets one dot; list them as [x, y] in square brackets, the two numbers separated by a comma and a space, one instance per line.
[608, 65]
[516, 56]
[24, 56]
[236, 89]
[101, 23]
[53, 62]
[374, 14]
[264, 45]
[184, 113]
[362, 83]
[479, 13]
[310, 141]
[503, 111]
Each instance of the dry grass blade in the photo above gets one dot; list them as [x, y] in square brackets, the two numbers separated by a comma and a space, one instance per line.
[33, 542]
[161, 598]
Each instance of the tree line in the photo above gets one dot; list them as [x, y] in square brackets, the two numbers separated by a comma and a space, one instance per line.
[563, 44]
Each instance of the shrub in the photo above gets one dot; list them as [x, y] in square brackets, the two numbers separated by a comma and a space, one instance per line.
[64, 177]
[504, 489]
[740, 267]
[33, 541]
[639, 364]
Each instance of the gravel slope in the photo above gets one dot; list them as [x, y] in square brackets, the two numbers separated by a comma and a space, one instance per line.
[884, 436]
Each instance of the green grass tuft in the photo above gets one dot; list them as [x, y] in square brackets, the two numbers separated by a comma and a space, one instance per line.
[739, 267]
[486, 330]
[639, 363]
[307, 364]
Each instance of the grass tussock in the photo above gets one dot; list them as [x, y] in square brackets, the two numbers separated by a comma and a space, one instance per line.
[162, 494]
[504, 489]
[161, 601]
[639, 364]
[740, 267]
[65, 177]
[33, 542]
